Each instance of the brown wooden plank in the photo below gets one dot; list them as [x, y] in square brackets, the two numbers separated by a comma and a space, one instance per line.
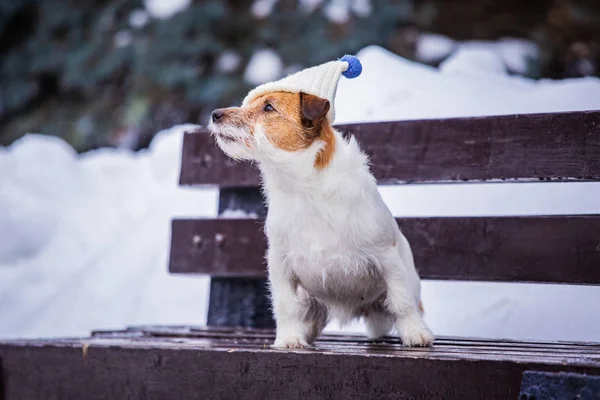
[120, 366]
[548, 352]
[556, 249]
[527, 147]
[443, 349]
[251, 336]
[262, 333]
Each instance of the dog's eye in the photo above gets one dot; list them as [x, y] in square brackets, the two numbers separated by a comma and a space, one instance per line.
[268, 107]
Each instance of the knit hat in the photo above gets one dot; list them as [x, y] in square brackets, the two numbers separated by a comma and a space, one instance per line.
[320, 81]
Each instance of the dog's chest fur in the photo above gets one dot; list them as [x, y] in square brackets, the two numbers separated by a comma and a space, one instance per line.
[331, 233]
[324, 249]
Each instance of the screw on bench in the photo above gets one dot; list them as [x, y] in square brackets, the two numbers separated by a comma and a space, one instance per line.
[220, 240]
[197, 240]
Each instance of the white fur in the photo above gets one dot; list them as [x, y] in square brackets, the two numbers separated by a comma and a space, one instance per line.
[335, 250]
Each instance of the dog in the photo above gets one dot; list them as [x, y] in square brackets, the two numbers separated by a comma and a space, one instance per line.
[334, 248]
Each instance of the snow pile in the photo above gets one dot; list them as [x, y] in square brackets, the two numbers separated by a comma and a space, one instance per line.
[28, 199]
[432, 48]
[515, 54]
[470, 84]
[480, 61]
[84, 239]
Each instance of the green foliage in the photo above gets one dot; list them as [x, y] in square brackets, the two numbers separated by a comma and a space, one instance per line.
[80, 70]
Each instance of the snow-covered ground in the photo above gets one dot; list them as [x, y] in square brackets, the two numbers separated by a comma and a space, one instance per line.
[84, 239]
[515, 55]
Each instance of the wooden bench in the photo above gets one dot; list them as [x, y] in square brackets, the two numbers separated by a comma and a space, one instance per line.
[231, 359]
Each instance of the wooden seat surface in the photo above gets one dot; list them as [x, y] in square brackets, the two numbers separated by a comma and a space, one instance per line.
[230, 363]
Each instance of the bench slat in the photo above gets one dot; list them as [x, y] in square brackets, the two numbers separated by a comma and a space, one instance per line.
[140, 364]
[234, 333]
[554, 249]
[528, 147]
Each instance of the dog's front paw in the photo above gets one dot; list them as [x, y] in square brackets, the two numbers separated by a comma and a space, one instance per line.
[291, 342]
[414, 333]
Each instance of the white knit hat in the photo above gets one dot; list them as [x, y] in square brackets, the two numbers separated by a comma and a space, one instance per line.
[320, 81]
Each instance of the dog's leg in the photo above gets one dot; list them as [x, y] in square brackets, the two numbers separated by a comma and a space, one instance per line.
[290, 309]
[379, 322]
[317, 317]
[403, 303]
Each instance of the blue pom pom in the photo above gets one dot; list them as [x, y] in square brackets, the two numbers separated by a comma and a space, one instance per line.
[354, 66]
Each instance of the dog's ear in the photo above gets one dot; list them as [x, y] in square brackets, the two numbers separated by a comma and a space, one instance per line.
[313, 111]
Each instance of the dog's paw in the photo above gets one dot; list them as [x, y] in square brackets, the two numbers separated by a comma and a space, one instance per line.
[415, 334]
[292, 342]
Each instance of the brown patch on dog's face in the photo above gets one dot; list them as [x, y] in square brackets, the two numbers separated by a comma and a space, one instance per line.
[290, 121]
[281, 120]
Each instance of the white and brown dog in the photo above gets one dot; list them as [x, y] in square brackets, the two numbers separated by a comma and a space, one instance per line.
[335, 250]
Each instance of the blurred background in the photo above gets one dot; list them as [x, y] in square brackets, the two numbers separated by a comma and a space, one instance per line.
[113, 73]
[95, 96]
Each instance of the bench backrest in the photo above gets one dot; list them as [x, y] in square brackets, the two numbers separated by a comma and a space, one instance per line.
[552, 147]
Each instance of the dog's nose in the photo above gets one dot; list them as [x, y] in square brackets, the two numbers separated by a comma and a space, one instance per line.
[216, 115]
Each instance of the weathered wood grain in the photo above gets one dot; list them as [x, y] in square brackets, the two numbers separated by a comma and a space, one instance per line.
[153, 363]
[557, 249]
[528, 147]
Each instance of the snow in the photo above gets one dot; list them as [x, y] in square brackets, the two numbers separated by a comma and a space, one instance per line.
[164, 9]
[265, 65]
[262, 8]
[239, 214]
[515, 54]
[123, 38]
[84, 239]
[229, 61]
[473, 61]
[432, 48]
[338, 11]
[309, 6]
[362, 8]
[30, 194]
[393, 88]
[138, 18]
